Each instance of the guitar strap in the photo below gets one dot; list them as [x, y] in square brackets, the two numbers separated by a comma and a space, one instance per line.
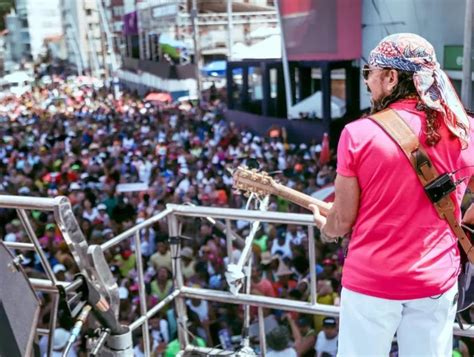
[403, 135]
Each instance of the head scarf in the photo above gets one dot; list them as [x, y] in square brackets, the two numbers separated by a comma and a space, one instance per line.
[412, 53]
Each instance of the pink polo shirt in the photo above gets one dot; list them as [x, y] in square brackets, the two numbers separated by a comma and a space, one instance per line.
[399, 247]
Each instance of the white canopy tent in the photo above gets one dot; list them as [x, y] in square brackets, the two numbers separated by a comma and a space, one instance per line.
[266, 49]
[18, 77]
[18, 82]
[263, 32]
[313, 106]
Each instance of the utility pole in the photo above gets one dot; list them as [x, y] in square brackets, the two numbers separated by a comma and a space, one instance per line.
[197, 54]
[103, 46]
[284, 61]
[93, 58]
[77, 51]
[73, 34]
[466, 86]
[230, 26]
[114, 65]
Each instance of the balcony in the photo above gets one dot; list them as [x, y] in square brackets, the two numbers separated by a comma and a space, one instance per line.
[161, 69]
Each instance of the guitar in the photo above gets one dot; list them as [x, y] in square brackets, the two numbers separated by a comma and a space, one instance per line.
[261, 184]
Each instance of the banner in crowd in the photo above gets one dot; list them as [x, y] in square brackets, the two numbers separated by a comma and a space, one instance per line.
[321, 29]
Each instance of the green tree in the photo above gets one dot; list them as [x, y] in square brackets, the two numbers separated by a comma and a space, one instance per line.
[5, 7]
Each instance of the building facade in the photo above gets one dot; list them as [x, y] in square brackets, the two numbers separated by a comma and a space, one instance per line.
[85, 40]
[14, 44]
[173, 19]
[28, 27]
[115, 11]
[158, 39]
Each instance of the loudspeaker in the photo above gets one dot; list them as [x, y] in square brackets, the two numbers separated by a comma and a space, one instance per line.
[19, 308]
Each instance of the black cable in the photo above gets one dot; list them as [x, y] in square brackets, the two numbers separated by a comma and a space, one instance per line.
[460, 180]
[457, 182]
[462, 168]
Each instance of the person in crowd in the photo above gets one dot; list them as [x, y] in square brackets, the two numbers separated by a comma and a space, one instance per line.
[90, 213]
[51, 237]
[162, 256]
[125, 261]
[60, 340]
[278, 342]
[269, 264]
[327, 339]
[282, 245]
[260, 241]
[460, 348]
[326, 296]
[285, 282]
[188, 266]
[162, 286]
[262, 285]
[206, 317]
[173, 347]
[304, 336]
[400, 272]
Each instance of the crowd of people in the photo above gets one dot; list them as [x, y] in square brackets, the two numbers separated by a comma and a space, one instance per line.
[73, 139]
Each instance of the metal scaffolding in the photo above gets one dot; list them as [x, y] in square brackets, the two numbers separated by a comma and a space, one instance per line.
[92, 264]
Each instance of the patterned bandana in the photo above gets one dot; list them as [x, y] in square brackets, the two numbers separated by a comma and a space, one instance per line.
[412, 53]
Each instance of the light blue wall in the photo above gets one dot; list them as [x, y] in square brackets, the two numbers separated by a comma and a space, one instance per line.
[439, 21]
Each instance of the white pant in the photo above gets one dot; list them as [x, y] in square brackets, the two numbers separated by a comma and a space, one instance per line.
[424, 327]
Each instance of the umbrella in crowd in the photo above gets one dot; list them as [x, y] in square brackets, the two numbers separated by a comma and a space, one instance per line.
[159, 97]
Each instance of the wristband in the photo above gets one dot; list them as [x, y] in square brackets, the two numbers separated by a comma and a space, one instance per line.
[326, 238]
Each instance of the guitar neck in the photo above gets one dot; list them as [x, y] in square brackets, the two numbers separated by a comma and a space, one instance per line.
[300, 199]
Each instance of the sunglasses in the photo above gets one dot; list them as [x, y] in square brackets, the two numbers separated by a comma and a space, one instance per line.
[366, 70]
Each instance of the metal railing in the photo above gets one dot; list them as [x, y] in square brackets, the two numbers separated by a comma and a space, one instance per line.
[91, 262]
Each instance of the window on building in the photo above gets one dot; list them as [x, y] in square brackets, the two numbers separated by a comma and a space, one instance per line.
[338, 83]
[49, 12]
[118, 11]
[118, 43]
[135, 50]
[154, 47]
[255, 84]
[237, 86]
[273, 83]
[118, 26]
[25, 36]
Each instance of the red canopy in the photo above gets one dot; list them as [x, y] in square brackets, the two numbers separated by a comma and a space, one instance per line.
[158, 97]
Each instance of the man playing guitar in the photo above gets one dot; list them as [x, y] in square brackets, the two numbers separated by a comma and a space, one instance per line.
[400, 273]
